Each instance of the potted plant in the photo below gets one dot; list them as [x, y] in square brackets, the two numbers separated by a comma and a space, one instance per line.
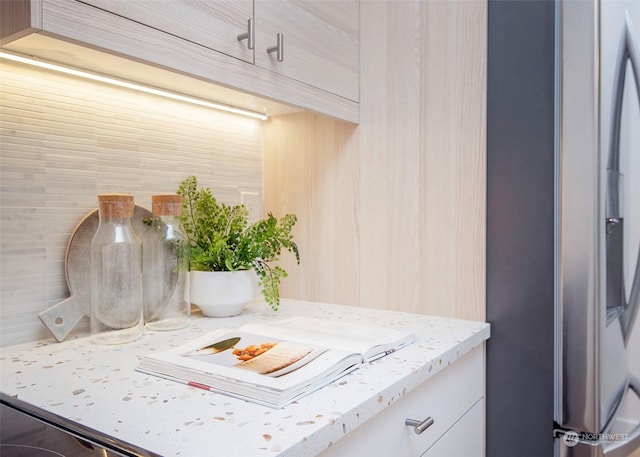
[221, 240]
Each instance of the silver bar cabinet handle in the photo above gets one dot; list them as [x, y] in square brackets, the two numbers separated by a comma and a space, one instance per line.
[418, 426]
[278, 48]
[249, 35]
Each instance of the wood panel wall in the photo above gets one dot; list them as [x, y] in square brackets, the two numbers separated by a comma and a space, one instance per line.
[392, 211]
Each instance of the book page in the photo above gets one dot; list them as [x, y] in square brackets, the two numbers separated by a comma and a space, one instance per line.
[257, 353]
[368, 341]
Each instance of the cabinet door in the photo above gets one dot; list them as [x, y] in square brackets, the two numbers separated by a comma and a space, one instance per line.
[214, 24]
[321, 42]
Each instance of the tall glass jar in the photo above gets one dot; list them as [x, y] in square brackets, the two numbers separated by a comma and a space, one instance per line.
[116, 273]
[165, 267]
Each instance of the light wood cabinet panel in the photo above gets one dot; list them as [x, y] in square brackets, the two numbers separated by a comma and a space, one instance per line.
[423, 136]
[19, 18]
[214, 24]
[412, 182]
[321, 42]
[310, 168]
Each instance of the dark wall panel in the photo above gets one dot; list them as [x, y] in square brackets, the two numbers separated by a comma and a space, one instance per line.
[520, 228]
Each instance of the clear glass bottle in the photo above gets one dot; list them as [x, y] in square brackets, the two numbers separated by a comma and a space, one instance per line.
[165, 267]
[116, 273]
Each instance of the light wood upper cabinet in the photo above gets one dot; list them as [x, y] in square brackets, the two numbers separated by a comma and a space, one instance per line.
[320, 39]
[214, 24]
[321, 42]
[198, 39]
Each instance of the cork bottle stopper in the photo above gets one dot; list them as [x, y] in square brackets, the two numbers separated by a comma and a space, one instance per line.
[166, 205]
[116, 205]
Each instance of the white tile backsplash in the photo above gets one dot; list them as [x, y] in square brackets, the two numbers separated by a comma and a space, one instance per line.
[63, 141]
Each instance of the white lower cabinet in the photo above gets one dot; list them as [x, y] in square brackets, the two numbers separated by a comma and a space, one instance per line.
[453, 398]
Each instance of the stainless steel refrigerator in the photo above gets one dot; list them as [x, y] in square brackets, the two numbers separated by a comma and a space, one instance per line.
[563, 228]
[597, 227]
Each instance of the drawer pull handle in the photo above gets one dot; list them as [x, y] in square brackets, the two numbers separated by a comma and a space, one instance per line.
[418, 426]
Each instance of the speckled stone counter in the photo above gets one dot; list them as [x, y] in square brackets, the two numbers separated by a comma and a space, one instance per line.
[98, 387]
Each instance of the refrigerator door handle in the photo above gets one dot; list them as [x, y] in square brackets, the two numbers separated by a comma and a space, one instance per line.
[626, 447]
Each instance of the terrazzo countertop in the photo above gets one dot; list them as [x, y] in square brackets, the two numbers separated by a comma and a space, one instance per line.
[98, 387]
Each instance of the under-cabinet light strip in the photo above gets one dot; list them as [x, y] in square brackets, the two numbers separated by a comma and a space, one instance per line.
[131, 85]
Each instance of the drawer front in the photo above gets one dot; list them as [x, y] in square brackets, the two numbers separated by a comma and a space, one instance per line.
[446, 397]
[464, 439]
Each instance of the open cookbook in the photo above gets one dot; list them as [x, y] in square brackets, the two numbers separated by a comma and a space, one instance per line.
[274, 363]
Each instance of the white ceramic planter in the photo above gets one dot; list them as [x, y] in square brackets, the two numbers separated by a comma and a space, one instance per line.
[223, 293]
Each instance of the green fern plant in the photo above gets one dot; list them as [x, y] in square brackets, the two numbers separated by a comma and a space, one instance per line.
[221, 239]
